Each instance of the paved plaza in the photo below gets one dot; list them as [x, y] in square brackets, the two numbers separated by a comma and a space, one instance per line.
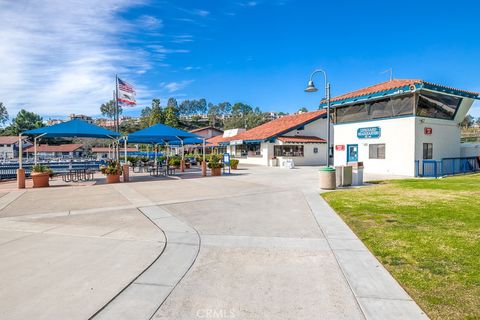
[257, 244]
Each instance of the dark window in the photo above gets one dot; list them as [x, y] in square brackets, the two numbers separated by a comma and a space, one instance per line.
[382, 108]
[288, 151]
[315, 150]
[428, 151]
[436, 105]
[250, 150]
[377, 151]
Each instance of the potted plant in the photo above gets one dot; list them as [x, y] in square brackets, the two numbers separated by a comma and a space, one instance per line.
[112, 170]
[40, 175]
[174, 162]
[234, 164]
[215, 165]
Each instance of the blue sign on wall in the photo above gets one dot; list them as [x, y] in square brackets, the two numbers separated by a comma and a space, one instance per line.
[369, 133]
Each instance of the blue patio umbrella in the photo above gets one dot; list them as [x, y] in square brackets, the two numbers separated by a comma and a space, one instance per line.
[163, 135]
[70, 129]
[73, 128]
[160, 134]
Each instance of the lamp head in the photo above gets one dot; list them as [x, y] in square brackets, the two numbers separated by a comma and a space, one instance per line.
[311, 87]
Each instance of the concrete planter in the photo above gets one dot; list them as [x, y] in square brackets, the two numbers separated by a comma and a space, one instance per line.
[216, 171]
[40, 179]
[113, 178]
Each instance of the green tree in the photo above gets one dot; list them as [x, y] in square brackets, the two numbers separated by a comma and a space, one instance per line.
[157, 114]
[24, 120]
[3, 114]
[241, 108]
[468, 122]
[213, 114]
[145, 117]
[108, 109]
[302, 110]
[172, 113]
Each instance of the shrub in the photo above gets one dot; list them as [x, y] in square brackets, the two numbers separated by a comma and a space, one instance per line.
[215, 161]
[40, 168]
[112, 167]
[234, 163]
[174, 161]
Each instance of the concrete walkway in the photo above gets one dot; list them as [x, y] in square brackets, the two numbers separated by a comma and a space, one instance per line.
[259, 244]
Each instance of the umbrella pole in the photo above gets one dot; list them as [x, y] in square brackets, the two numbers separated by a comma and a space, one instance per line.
[35, 150]
[204, 163]
[20, 170]
[125, 148]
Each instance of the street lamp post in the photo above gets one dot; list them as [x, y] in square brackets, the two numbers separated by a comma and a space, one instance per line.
[311, 88]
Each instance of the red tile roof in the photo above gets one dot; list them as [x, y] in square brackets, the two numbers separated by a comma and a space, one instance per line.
[278, 126]
[60, 148]
[106, 149]
[213, 142]
[9, 139]
[391, 85]
[301, 139]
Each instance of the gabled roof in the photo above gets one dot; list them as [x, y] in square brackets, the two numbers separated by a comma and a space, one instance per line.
[60, 148]
[206, 128]
[396, 86]
[9, 139]
[301, 139]
[279, 126]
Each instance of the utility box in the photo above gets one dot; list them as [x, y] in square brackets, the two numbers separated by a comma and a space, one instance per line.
[357, 174]
[344, 176]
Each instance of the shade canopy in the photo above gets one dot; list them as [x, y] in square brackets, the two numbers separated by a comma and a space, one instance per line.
[161, 134]
[73, 128]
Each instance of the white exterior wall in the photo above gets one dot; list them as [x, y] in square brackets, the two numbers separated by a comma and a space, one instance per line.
[398, 134]
[445, 138]
[404, 138]
[470, 150]
[317, 128]
[309, 157]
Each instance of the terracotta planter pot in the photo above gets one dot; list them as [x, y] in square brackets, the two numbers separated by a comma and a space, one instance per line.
[234, 166]
[113, 178]
[40, 179]
[187, 165]
[216, 171]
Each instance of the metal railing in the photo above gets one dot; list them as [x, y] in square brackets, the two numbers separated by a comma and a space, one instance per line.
[9, 171]
[447, 166]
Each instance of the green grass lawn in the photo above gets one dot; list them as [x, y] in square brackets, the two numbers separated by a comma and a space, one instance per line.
[427, 234]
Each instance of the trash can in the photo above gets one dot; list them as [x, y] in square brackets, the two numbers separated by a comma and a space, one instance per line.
[344, 176]
[327, 178]
[273, 162]
[358, 174]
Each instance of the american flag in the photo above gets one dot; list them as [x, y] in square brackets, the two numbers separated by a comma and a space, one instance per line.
[126, 92]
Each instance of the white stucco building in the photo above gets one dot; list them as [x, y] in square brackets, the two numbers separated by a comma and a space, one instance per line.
[299, 138]
[402, 127]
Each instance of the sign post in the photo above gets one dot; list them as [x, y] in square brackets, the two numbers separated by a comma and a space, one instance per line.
[226, 162]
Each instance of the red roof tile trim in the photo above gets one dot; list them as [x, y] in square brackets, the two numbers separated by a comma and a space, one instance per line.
[390, 85]
[60, 148]
[301, 139]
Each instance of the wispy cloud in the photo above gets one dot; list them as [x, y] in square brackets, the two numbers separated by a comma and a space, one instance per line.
[176, 86]
[151, 22]
[59, 57]
[182, 38]
[190, 68]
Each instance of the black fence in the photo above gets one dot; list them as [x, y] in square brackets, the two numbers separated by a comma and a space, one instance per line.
[9, 171]
[447, 167]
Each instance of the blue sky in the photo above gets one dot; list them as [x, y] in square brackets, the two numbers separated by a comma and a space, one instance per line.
[61, 57]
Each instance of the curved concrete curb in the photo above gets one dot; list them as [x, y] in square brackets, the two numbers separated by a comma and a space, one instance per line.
[144, 296]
